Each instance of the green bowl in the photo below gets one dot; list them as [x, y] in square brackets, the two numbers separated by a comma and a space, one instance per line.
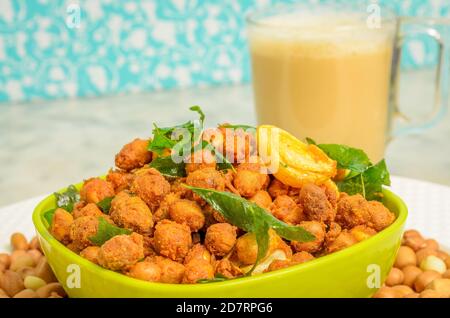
[353, 272]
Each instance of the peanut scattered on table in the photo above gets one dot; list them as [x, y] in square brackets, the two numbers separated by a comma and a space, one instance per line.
[421, 270]
[25, 272]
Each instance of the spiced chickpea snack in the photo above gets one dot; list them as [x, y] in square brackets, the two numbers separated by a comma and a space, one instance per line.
[159, 220]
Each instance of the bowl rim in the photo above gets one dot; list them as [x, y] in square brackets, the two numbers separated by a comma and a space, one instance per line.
[120, 278]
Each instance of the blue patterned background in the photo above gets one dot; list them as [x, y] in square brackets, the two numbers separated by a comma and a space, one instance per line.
[138, 45]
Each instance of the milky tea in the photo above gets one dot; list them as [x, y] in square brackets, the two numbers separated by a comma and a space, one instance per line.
[324, 76]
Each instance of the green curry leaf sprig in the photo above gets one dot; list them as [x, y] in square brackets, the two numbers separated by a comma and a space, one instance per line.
[164, 140]
[362, 176]
[244, 127]
[68, 198]
[368, 183]
[168, 168]
[162, 137]
[106, 231]
[105, 204]
[65, 200]
[250, 217]
[217, 278]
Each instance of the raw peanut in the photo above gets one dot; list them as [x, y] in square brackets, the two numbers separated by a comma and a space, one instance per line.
[410, 233]
[410, 273]
[11, 283]
[387, 292]
[44, 271]
[19, 242]
[54, 295]
[47, 290]
[412, 295]
[2, 267]
[3, 294]
[415, 242]
[26, 293]
[395, 277]
[423, 253]
[405, 257]
[16, 254]
[424, 279]
[35, 254]
[429, 293]
[403, 290]
[433, 263]
[5, 259]
[26, 271]
[432, 244]
[425, 270]
[34, 244]
[33, 282]
[21, 262]
[441, 285]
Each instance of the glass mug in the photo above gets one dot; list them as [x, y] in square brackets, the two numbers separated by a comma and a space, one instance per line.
[330, 72]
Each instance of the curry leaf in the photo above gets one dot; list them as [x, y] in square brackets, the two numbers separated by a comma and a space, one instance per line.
[199, 111]
[68, 198]
[48, 216]
[160, 141]
[350, 158]
[167, 167]
[244, 127]
[65, 200]
[243, 214]
[162, 137]
[106, 231]
[262, 239]
[217, 278]
[250, 217]
[368, 183]
[105, 204]
[291, 233]
[310, 141]
[347, 157]
[362, 177]
[222, 162]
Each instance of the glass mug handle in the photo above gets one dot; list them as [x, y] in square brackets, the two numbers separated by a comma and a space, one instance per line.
[441, 79]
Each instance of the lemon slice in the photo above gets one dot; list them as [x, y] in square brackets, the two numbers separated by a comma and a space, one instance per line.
[292, 161]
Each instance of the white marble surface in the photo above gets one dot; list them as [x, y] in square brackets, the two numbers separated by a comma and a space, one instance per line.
[47, 145]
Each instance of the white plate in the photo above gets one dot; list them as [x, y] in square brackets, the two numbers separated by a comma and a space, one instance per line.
[428, 203]
[428, 206]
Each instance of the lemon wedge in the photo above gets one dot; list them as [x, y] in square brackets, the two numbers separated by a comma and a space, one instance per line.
[292, 161]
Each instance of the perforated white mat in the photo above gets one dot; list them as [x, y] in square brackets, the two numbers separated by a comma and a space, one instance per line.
[428, 203]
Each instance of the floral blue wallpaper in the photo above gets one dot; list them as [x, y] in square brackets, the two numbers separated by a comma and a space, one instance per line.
[54, 48]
